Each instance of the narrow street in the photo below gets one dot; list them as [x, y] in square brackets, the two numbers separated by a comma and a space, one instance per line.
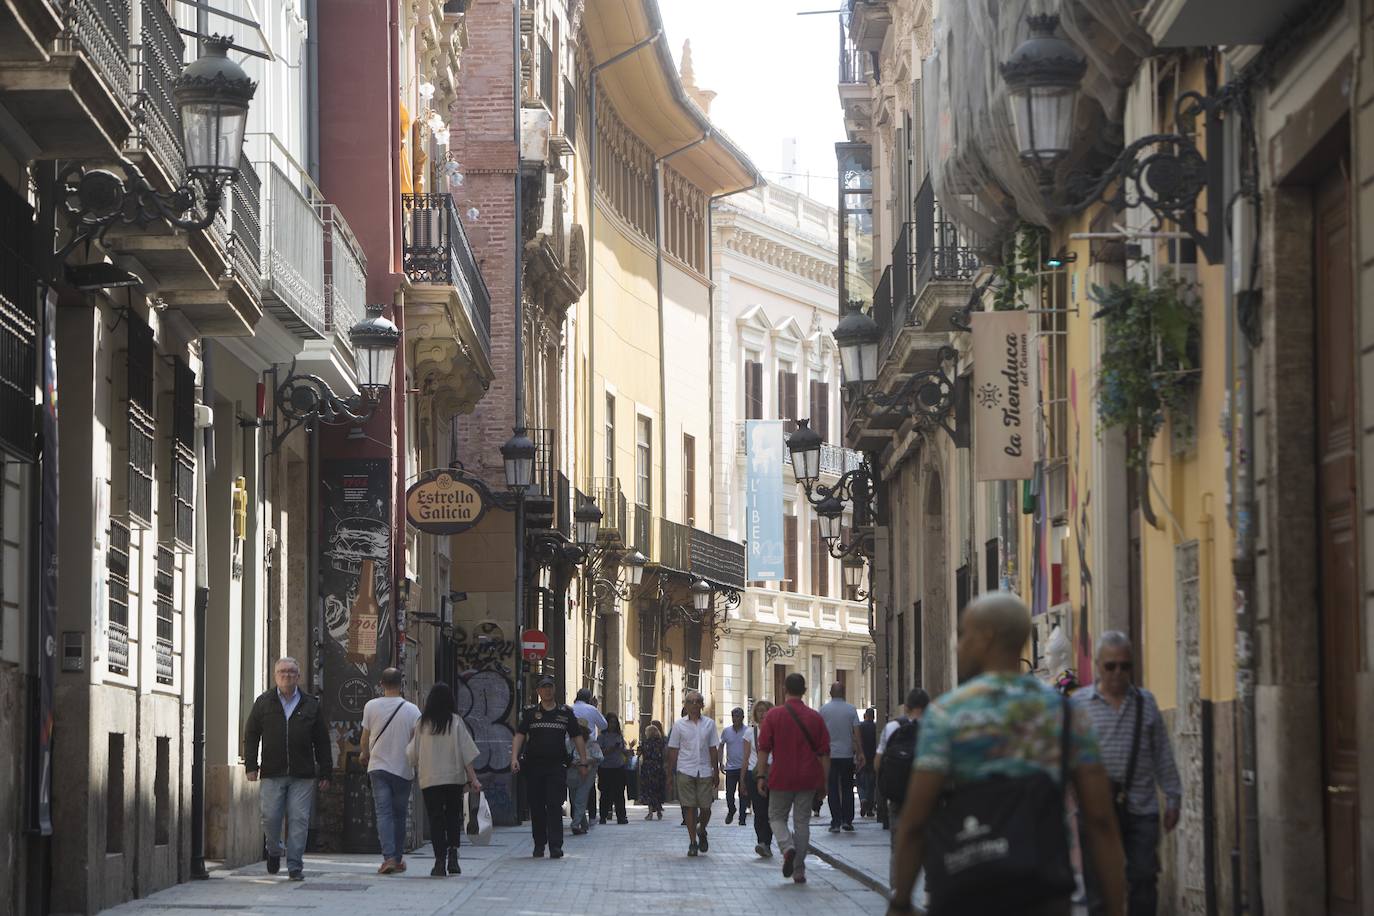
[637, 868]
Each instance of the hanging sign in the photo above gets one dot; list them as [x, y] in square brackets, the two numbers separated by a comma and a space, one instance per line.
[534, 645]
[1004, 399]
[763, 500]
[446, 501]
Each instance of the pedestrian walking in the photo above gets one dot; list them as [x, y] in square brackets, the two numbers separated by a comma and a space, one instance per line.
[584, 707]
[580, 783]
[544, 762]
[866, 777]
[846, 756]
[652, 776]
[733, 761]
[763, 828]
[613, 771]
[794, 772]
[694, 761]
[289, 726]
[894, 758]
[1139, 758]
[984, 807]
[442, 752]
[388, 724]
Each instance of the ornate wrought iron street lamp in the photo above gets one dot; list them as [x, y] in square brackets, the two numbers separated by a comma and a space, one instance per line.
[858, 335]
[517, 454]
[773, 650]
[1043, 76]
[587, 522]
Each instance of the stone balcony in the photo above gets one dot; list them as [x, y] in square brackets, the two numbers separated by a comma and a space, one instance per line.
[763, 609]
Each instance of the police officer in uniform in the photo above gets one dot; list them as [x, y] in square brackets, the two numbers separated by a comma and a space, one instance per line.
[540, 735]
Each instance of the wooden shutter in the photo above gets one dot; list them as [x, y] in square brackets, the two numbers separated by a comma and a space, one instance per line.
[689, 480]
[787, 398]
[789, 539]
[820, 409]
[753, 390]
[816, 549]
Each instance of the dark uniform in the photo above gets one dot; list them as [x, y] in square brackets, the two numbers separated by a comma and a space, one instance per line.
[544, 764]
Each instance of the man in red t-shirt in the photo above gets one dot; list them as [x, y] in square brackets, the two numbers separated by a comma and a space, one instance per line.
[796, 737]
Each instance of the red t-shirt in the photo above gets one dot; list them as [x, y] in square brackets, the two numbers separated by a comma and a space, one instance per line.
[796, 767]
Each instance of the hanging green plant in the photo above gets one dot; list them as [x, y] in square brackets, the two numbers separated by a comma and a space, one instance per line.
[1017, 273]
[1149, 366]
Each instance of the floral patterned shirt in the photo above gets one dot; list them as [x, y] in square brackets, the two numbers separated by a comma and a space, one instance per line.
[1001, 725]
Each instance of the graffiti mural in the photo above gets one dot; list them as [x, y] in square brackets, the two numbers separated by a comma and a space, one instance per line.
[485, 691]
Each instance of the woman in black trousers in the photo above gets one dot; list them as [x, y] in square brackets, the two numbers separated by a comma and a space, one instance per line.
[758, 798]
[611, 775]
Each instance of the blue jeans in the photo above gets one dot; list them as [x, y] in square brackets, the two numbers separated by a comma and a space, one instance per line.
[391, 795]
[1140, 843]
[289, 797]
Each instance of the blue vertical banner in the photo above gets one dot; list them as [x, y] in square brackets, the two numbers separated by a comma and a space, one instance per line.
[763, 499]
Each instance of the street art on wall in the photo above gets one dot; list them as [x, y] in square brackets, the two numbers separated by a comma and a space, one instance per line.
[359, 628]
[485, 691]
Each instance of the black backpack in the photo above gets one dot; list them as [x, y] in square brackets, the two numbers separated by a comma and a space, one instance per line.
[1001, 845]
[898, 757]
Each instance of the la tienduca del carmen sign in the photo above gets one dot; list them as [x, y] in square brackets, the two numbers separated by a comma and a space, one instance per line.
[446, 501]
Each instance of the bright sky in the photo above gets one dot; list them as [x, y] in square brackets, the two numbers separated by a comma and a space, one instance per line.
[774, 74]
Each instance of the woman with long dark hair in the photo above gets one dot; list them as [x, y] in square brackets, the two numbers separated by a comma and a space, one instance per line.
[612, 774]
[442, 752]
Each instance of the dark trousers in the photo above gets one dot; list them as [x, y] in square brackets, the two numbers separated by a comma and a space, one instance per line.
[1140, 841]
[444, 805]
[841, 791]
[866, 780]
[734, 783]
[546, 785]
[612, 786]
[763, 830]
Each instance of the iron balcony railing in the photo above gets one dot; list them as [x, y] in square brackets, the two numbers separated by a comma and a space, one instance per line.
[436, 250]
[606, 493]
[158, 122]
[902, 275]
[245, 241]
[564, 493]
[345, 277]
[18, 326]
[100, 28]
[882, 309]
[293, 245]
[686, 549]
[835, 459]
[941, 251]
[856, 65]
[642, 530]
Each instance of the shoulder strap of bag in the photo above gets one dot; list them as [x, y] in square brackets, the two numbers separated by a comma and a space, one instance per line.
[388, 721]
[1135, 743]
[806, 734]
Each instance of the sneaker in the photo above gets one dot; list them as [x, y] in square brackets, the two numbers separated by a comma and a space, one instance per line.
[273, 864]
[555, 853]
[453, 868]
[701, 840]
[847, 828]
[400, 866]
[729, 817]
[765, 852]
[578, 831]
[799, 877]
[386, 868]
[296, 874]
[660, 815]
[834, 828]
[692, 851]
[539, 852]
[438, 871]
[787, 864]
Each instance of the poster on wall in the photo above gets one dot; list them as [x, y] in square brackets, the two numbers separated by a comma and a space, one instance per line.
[1004, 397]
[763, 441]
[355, 587]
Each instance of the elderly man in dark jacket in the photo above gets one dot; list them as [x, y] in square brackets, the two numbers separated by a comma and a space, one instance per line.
[289, 725]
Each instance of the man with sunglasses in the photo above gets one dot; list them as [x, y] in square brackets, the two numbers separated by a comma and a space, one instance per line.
[1138, 758]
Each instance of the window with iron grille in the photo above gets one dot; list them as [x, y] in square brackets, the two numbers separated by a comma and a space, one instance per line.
[570, 103]
[18, 326]
[141, 420]
[546, 75]
[648, 663]
[592, 672]
[183, 477]
[117, 572]
[644, 461]
[164, 584]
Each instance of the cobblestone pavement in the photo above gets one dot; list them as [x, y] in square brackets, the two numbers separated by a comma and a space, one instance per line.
[636, 868]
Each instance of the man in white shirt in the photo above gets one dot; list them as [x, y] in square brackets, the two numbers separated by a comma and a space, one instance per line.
[733, 741]
[584, 707]
[694, 759]
[388, 725]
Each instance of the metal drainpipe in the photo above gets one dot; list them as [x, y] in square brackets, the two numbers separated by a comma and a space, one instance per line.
[202, 605]
[591, 233]
[519, 355]
[312, 97]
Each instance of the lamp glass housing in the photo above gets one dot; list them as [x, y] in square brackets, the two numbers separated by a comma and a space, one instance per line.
[634, 567]
[857, 336]
[518, 456]
[212, 95]
[545, 577]
[853, 573]
[701, 595]
[804, 445]
[793, 635]
[1042, 117]
[587, 521]
[375, 340]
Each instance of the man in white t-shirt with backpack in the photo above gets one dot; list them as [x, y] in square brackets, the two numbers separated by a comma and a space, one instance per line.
[895, 758]
[388, 725]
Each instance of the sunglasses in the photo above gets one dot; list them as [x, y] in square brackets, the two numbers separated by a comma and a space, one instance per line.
[1113, 666]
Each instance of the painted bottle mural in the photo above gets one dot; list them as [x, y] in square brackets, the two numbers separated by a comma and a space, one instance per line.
[363, 617]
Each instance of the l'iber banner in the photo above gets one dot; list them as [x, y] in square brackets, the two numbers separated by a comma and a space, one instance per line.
[1004, 397]
[763, 441]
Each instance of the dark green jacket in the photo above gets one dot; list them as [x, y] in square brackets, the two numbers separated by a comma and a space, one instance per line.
[296, 748]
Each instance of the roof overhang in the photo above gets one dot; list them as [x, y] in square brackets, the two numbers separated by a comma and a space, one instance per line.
[649, 97]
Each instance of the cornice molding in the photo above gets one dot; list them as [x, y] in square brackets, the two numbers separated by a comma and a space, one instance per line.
[789, 258]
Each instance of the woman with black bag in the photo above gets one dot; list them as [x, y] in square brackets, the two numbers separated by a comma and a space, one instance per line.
[442, 752]
[984, 811]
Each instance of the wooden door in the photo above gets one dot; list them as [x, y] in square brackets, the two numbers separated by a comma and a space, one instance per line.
[1337, 429]
[779, 685]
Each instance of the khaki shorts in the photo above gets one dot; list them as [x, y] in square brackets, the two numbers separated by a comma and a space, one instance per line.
[694, 791]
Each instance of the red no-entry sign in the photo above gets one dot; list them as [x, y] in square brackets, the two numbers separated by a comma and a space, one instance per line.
[534, 645]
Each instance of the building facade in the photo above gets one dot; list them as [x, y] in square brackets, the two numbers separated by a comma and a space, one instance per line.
[776, 278]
